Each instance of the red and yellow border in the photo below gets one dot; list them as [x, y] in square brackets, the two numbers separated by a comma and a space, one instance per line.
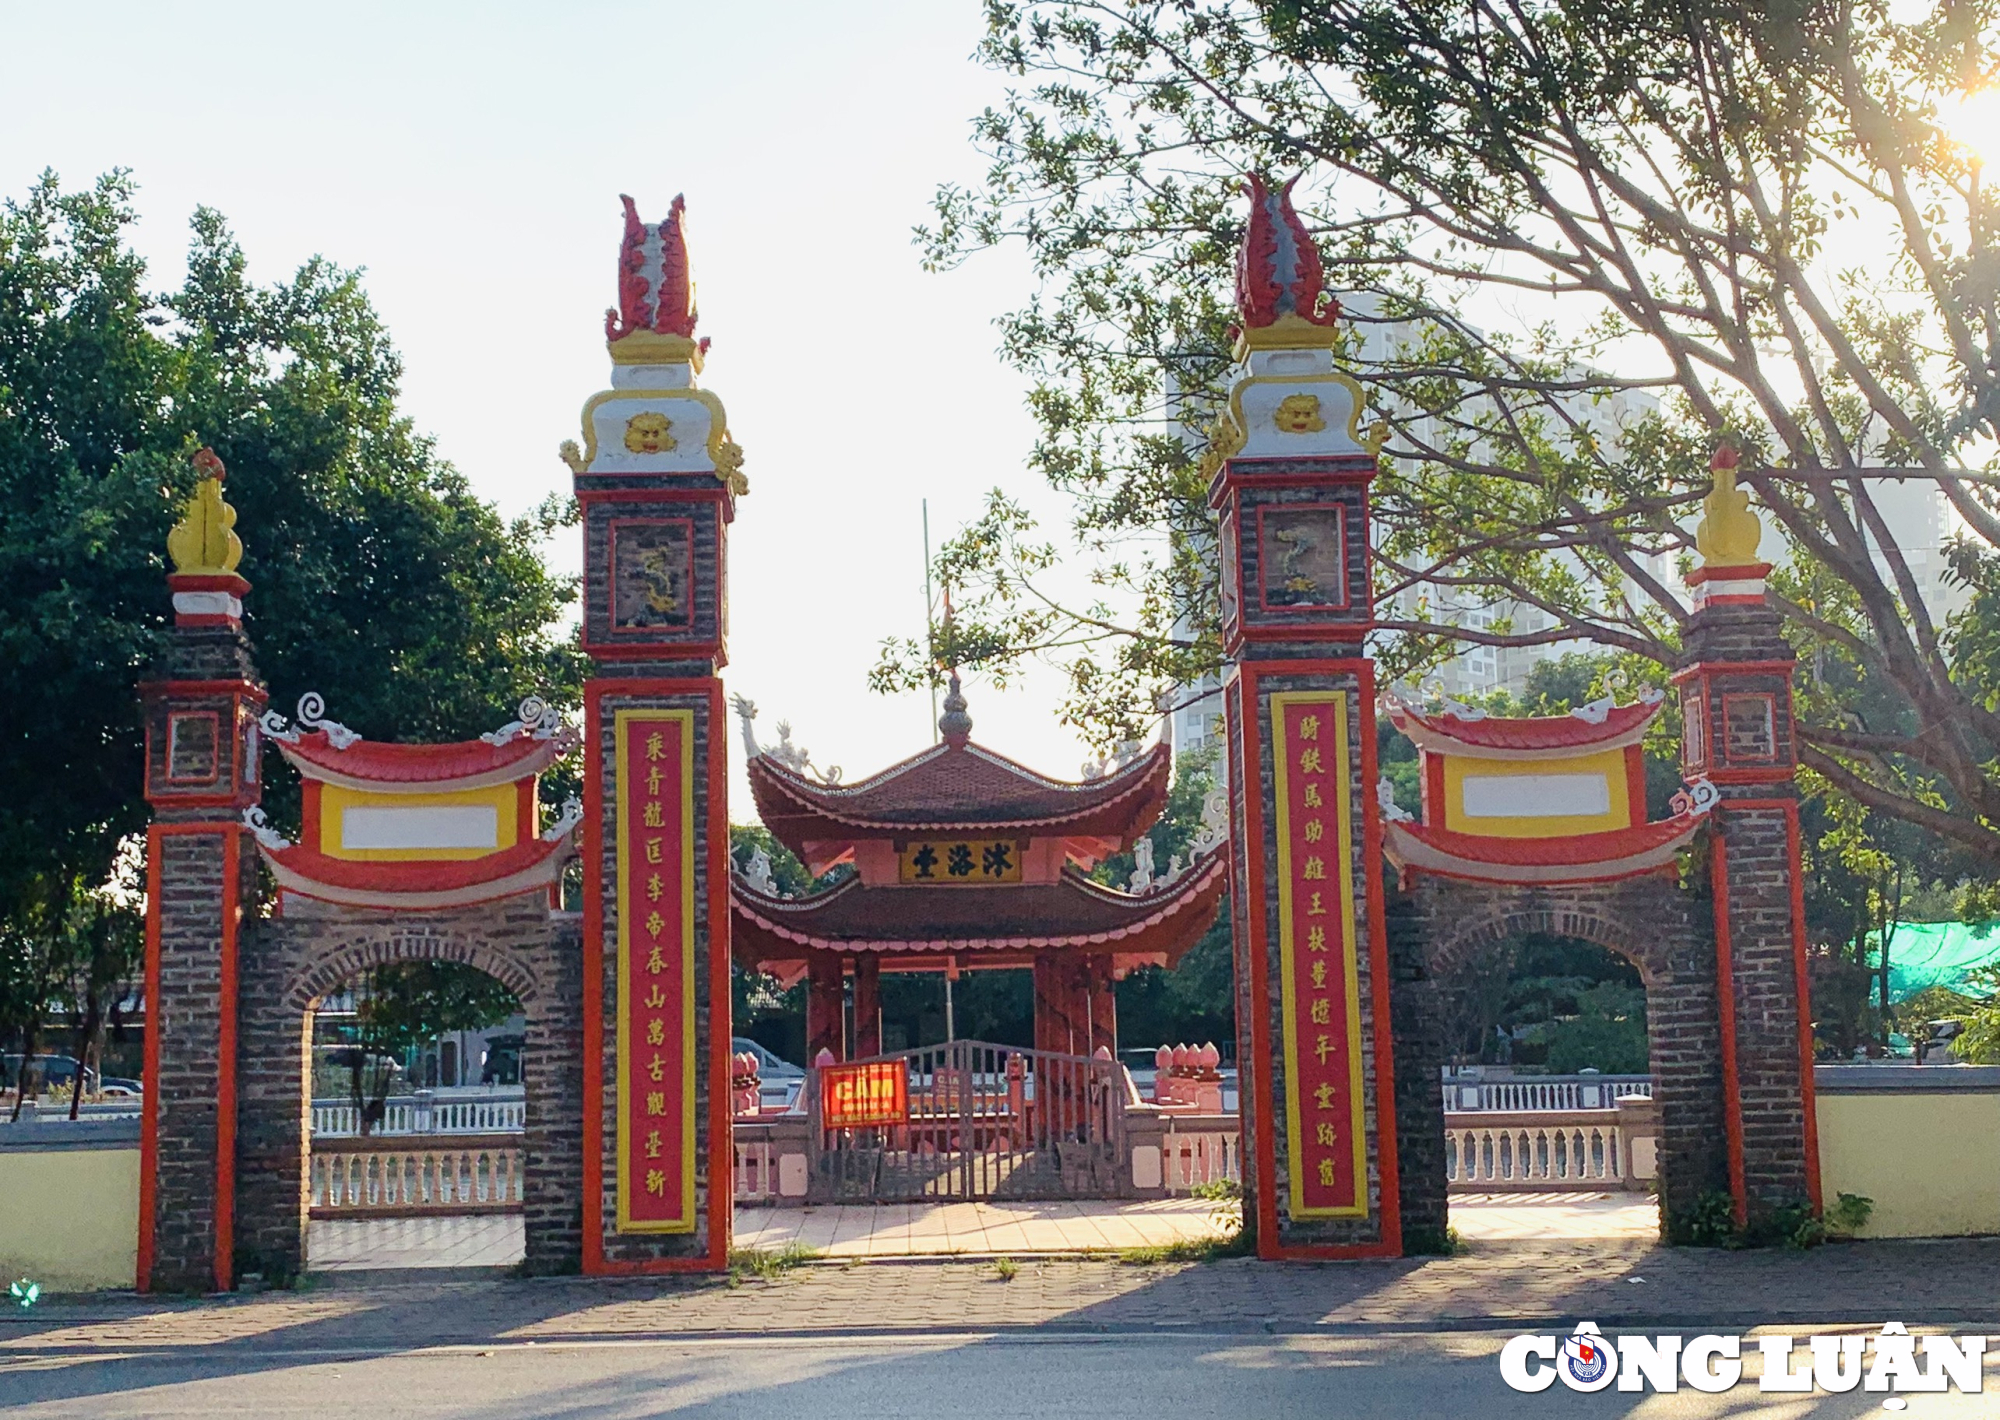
[715, 842]
[1241, 697]
[623, 725]
[1336, 702]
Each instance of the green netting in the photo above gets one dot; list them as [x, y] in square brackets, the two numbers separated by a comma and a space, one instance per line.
[1924, 954]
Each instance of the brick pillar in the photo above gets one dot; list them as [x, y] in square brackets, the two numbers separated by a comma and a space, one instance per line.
[867, 1005]
[657, 481]
[1290, 471]
[1735, 683]
[1418, 1041]
[201, 708]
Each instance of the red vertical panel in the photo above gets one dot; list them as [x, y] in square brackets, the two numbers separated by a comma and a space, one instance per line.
[654, 777]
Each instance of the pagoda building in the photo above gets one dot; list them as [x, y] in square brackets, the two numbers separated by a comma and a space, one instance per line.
[967, 861]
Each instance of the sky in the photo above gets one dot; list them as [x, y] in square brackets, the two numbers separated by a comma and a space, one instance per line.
[471, 157]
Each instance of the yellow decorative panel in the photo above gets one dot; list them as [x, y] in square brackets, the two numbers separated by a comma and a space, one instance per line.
[959, 861]
[1537, 798]
[362, 825]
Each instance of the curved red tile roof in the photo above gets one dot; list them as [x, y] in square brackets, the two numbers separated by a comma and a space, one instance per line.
[377, 764]
[1071, 912]
[521, 868]
[959, 789]
[1527, 736]
[1572, 858]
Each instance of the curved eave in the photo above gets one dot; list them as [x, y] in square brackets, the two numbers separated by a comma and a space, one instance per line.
[1536, 737]
[1578, 858]
[526, 867]
[778, 932]
[798, 810]
[421, 769]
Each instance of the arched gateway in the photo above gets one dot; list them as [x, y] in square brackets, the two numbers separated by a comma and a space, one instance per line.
[1345, 911]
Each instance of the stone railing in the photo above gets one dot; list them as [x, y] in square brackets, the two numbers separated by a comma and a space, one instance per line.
[497, 1111]
[771, 1159]
[1176, 1153]
[400, 1177]
[1552, 1151]
[1545, 1092]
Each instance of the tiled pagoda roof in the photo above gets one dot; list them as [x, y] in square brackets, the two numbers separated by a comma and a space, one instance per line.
[775, 934]
[959, 788]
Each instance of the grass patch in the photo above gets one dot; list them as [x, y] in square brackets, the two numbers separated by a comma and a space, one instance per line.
[769, 1264]
[1006, 1269]
[1186, 1250]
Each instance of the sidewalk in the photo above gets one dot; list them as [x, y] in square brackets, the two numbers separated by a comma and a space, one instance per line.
[1954, 1283]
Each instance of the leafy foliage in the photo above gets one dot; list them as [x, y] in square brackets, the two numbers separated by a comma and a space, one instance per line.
[378, 577]
[1689, 224]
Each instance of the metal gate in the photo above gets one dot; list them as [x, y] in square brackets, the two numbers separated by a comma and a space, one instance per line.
[983, 1121]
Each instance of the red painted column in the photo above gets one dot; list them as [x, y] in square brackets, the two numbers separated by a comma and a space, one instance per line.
[201, 709]
[657, 480]
[867, 1005]
[1102, 1001]
[824, 988]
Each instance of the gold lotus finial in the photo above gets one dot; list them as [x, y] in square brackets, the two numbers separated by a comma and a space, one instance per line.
[203, 543]
[1728, 533]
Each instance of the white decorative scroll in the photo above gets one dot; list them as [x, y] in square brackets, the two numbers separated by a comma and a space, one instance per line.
[1696, 799]
[260, 829]
[537, 719]
[1385, 796]
[312, 715]
[277, 727]
[572, 815]
[1214, 829]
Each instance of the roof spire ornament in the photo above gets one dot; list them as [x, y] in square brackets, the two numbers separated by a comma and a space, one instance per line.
[1729, 532]
[204, 542]
[955, 725]
[1281, 298]
[654, 320]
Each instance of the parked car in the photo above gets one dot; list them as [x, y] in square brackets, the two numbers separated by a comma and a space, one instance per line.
[115, 1085]
[51, 1072]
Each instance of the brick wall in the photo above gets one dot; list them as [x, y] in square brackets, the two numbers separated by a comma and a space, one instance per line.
[289, 963]
[1654, 922]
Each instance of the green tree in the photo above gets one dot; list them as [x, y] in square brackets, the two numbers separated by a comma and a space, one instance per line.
[1685, 224]
[378, 577]
[401, 1007]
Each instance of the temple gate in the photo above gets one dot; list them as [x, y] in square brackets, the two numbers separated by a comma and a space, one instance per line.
[1527, 825]
[962, 860]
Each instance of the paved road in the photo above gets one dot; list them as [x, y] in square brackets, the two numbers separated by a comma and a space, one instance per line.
[1146, 1377]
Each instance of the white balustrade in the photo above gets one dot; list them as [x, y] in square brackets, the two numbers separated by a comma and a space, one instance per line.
[425, 1114]
[1583, 1153]
[1544, 1093]
[1187, 1161]
[419, 1178]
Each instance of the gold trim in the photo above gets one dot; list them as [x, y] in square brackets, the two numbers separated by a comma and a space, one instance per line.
[1288, 332]
[653, 347]
[718, 424]
[1336, 701]
[1370, 442]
